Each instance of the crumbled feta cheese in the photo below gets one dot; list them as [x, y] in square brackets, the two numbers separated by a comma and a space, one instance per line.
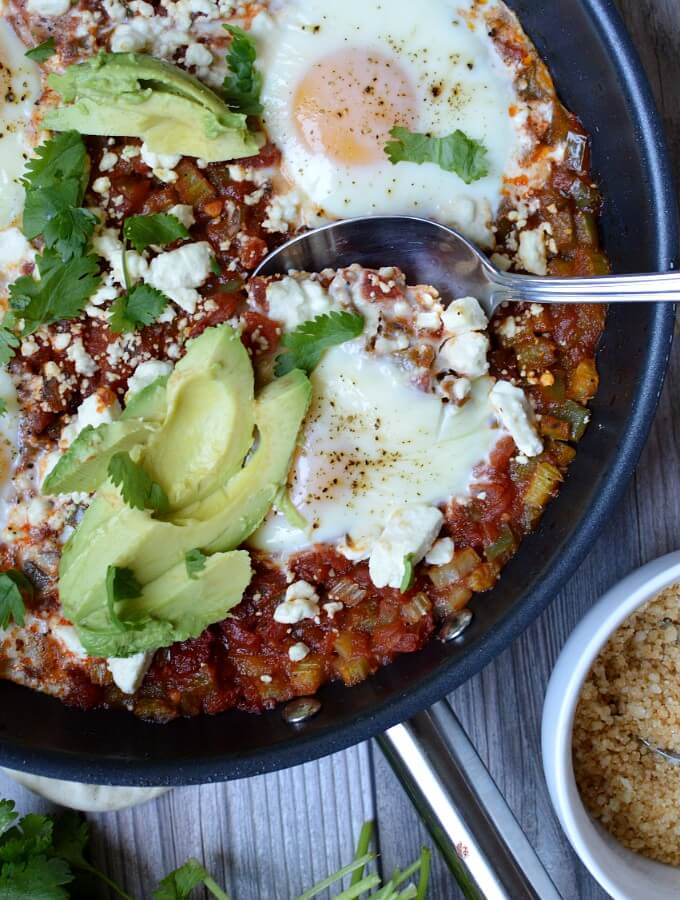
[161, 164]
[410, 531]
[61, 341]
[14, 250]
[101, 185]
[516, 416]
[97, 409]
[508, 328]
[461, 389]
[292, 302]
[37, 512]
[332, 608]
[266, 679]
[532, 254]
[466, 354]
[129, 151]
[179, 272]
[130, 37]
[394, 344]
[146, 373]
[298, 651]
[184, 213]
[84, 364]
[282, 212]
[302, 602]
[441, 552]
[357, 547]
[48, 7]
[464, 315]
[198, 55]
[108, 161]
[429, 320]
[128, 671]
[68, 637]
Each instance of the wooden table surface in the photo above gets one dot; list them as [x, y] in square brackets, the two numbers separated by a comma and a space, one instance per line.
[267, 838]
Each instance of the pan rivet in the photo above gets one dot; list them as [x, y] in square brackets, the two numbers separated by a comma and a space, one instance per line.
[455, 626]
[300, 710]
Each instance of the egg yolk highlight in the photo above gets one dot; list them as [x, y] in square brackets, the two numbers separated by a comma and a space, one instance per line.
[347, 103]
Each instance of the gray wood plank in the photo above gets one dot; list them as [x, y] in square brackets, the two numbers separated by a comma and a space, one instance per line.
[268, 837]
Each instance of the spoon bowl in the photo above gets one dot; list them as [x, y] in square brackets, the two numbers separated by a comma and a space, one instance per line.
[429, 253]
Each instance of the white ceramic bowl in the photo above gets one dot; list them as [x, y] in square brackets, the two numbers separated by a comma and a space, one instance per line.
[623, 874]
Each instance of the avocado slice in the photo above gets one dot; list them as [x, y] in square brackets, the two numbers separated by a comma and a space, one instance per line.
[112, 533]
[150, 403]
[135, 95]
[209, 419]
[83, 466]
[173, 607]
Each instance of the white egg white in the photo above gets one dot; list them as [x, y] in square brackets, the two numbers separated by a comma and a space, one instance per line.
[458, 80]
[372, 441]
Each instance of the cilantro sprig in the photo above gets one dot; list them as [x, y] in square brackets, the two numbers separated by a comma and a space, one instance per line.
[142, 304]
[13, 586]
[456, 152]
[195, 562]
[55, 183]
[61, 293]
[158, 228]
[305, 345]
[242, 87]
[45, 856]
[42, 52]
[137, 487]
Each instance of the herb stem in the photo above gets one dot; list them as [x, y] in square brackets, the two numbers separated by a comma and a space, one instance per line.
[359, 863]
[86, 867]
[215, 889]
[363, 844]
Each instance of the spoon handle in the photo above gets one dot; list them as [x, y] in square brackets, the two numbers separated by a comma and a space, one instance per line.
[604, 289]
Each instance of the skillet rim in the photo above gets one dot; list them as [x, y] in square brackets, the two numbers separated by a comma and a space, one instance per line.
[302, 747]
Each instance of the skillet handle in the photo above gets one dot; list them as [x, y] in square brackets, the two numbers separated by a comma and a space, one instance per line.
[462, 808]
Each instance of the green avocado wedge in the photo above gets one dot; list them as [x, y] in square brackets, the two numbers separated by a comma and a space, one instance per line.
[113, 534]
[135, 95]
[83, 466]
[171, 608]
[209, 418]
[150, 403]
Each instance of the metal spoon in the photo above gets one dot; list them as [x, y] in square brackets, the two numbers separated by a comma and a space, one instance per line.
[672, 758]
[429, 253]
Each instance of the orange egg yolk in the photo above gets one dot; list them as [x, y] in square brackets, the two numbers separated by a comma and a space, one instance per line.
[347, 103]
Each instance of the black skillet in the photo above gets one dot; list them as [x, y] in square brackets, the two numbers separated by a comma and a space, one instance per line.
[598, 76]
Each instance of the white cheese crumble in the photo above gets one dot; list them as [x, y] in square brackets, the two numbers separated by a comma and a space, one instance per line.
[298, 652]
[293, 302]
[179, 272]
[302, 602]
[410, 531]
[68, 637]
[97, 409]
[464, 315]
[108, 161]
[198, 55]
[101, 185]
[532, 253]
[128, 671]
[516, 416]
[466, 354]
[441, 552]
[282, 212]
[84, 364]
[14, 250]
[146, 373]
[161, 164]
[332, 608]
[48, 7]
[184, 213]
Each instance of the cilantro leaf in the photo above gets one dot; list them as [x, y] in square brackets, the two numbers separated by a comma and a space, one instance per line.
[3, 406]
[136, 486]
[121, 584]
[60, 158]
[7, 815]
[61, 293]
[69, 231]
[159, 228]
[195, 562]
[142, 306]
[454, 153]
[71, 836]
[305, 345]
[42, 52]
[8, 343]
[179, 884]
[32, 836]
[242, 87]
[12, 607]
[407, 580]
[44, 204]
[39, 878]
